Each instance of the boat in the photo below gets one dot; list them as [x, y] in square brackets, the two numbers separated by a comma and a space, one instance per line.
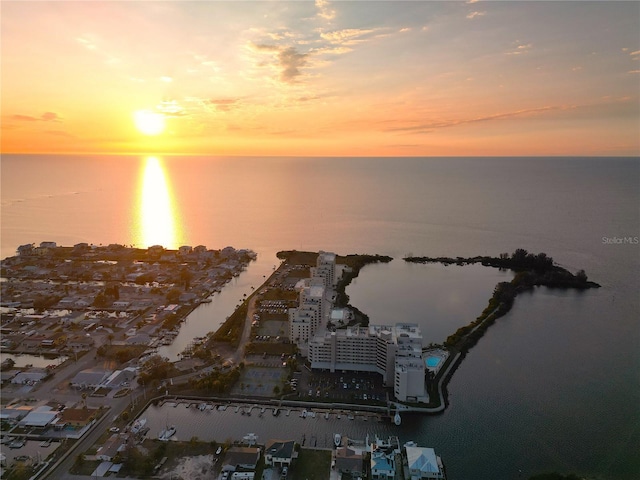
[326, 415]
[337, 439]
[18, 443]
[397, 420]
[138, 425]
[202, 406]
[350, 417]
[167, 433]
[250, 438]
[303, 414]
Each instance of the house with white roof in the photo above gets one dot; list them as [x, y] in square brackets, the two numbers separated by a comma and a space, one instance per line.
[89, 378]
[424, 464]
[40, 417]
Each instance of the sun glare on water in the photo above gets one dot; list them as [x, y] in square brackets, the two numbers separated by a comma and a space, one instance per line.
[148, 122]
[157, 220]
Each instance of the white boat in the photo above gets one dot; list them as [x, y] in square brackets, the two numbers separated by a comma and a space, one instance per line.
[337, 439]
[138, 425]
[303, 414]
[202, 406]
[250, 438]
[397, 420]
[326, 415]
[350, 417]
[167, 433]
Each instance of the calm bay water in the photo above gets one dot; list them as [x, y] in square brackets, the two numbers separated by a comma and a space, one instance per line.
[553, 385]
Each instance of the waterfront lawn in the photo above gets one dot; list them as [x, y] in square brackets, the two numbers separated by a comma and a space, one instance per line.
[311, 464]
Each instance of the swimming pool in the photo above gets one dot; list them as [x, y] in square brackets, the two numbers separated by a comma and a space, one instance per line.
[433, 362]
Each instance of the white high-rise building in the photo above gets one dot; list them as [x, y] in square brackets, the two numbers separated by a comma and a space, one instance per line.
[393, 352]
[326, 269]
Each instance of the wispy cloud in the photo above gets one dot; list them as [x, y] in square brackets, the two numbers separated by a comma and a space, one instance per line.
[430, 126]
[224, 104]
[324, 10]
[291, 61]
[60, 133]
[45, 117]
[520, 49]
[171, 108]
[473, 15]
[347, 36]
[288, 59]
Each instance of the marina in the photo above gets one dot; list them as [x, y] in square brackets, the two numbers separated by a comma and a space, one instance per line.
[229, 422]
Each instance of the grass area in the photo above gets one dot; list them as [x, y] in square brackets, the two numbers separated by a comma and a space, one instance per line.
[311, 465]
[84, 467]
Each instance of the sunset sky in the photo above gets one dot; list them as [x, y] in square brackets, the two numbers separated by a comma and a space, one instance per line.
[321, 78]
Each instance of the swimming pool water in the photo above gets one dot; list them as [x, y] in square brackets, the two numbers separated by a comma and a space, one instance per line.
[433, 362]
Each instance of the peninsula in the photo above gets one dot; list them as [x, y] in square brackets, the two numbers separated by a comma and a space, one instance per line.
[295, 343]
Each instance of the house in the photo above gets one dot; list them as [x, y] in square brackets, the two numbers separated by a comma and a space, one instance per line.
[78, 417]
[90, 378]
[155, 250]
[349, 461]
[383, 458]
[29, 377]
[200, 249]
[279, 452]
[187, 297]
[39, 417]
[114, 445]
[33, 342]
[24, 250]
[424, 464]
[185, 250]
[242, 458]
[78, 343]
[121, 304]
[7, 375]
[13, 414]
[139, 339]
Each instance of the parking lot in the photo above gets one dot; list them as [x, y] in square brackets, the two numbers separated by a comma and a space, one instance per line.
[341, 386]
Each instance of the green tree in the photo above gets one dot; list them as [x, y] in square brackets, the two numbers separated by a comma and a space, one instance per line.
[173, 295]
[100, 301]
[581, 276]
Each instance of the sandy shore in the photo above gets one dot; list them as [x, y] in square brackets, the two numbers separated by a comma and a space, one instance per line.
[200, 467]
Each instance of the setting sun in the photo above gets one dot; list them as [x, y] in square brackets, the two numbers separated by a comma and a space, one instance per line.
[148, 122]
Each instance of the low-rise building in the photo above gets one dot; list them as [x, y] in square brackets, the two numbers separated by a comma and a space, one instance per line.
[242, 458]
[384, 456]
[349, 461]
[114, 445]
[279, 452]
[90, 379]
[78, 417]
[423, 463]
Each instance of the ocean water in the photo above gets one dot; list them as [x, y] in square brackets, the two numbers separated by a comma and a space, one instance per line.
[553, 385]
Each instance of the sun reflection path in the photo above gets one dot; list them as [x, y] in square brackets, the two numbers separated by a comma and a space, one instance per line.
[157, 223]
